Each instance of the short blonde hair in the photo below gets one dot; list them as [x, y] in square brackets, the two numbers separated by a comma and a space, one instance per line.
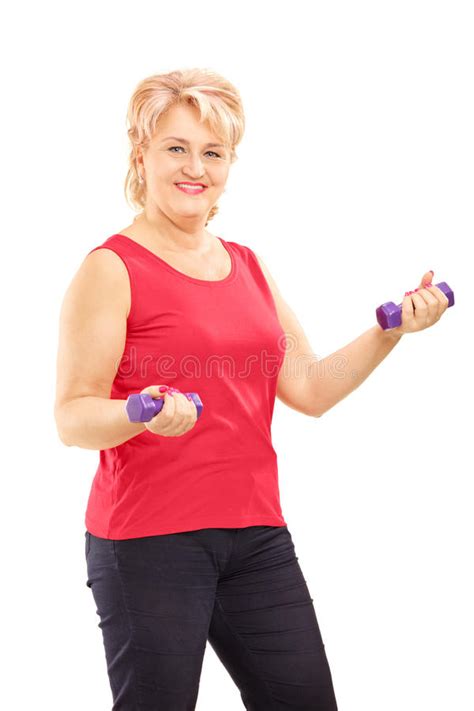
[218, 101]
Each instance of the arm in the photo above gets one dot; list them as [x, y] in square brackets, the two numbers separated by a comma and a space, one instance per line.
[311, 385]
[95, 423]
[343, 371]
[93, 325]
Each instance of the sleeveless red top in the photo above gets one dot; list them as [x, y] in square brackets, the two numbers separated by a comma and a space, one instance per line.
[223, 340]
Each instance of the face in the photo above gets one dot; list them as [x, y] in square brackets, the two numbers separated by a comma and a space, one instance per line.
[168, 161]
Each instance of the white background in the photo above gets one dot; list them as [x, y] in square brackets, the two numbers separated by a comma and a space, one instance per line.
[354, 177]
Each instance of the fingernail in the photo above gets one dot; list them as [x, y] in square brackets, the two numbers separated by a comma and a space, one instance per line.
[162, 388]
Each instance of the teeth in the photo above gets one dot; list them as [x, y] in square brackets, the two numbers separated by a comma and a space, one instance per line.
[190, 187]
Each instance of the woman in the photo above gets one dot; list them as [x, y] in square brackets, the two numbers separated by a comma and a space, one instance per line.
[185, 537]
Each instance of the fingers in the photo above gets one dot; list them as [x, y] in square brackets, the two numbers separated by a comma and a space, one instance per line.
[436, 301]
[431, 294]
[153, 390]
[182, 412]
[422, 307]
[177, 416]
[438, 294]
[429, 304]
[408, 313]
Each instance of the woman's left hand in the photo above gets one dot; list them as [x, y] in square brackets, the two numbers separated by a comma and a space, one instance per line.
[421, 308]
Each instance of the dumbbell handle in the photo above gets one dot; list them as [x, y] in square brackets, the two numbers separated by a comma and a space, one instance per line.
[143, 407]
[389, 315]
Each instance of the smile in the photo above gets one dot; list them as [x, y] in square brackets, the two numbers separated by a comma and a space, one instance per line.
[189, 190]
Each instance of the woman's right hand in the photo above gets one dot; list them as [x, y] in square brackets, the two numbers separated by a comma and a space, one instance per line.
[177, 416]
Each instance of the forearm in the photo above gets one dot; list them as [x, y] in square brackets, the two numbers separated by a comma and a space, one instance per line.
[95, 423]
[334, 377]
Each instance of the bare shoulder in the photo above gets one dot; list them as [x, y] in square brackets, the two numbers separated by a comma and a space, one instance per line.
[103, 269]
[92, 328]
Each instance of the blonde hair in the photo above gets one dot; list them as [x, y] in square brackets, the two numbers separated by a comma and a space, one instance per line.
[217, 100]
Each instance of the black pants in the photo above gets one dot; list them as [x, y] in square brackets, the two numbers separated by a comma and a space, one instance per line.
[160, 598]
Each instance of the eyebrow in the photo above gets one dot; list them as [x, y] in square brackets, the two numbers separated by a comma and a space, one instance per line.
[183, 140]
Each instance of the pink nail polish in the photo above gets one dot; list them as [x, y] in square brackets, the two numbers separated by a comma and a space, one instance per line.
[163, 388]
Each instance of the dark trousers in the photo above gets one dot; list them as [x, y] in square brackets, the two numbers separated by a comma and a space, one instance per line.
[160, 598]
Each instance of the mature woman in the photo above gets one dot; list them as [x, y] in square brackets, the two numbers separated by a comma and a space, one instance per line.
[185, 539]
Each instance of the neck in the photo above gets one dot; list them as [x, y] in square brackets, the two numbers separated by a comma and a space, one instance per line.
[187, 234]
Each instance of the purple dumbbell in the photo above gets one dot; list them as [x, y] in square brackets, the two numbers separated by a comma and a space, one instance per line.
[142, 407]
[389, 315]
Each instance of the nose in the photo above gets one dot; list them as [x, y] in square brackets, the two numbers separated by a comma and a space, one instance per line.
[194, 166]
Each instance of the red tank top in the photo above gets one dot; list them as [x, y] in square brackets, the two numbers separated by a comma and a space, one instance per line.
[223, 340]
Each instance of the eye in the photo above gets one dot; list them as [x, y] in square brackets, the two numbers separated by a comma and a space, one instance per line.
[216, 154]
